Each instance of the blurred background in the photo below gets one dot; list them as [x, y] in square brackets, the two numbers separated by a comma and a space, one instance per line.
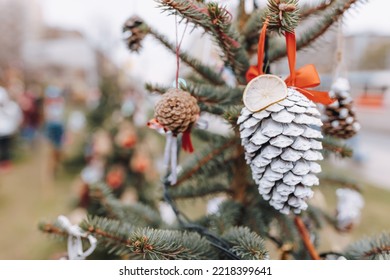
[60, 60]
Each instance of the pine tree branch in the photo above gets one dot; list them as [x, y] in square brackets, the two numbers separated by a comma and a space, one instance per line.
[307, 38]
[204, 71]
[215, 240]
[309, 10]
[372, 248]
[138, 214]
[282, 16]
[306, 238]
[246, 244]
[216, 21]
[339, 181]
[196, 189]
[201, 162]
[334, 145]
[206, 94]
[150, 243]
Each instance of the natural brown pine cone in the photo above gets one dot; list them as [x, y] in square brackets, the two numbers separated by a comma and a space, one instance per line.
[339, 118]
[177, 111]
[134, 31]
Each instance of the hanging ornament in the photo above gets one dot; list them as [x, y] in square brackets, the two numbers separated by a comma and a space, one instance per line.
[339, 117]
[176, 113]
[126, 137]
[280, 131]
[134, 31]
[115, 177]
[140, 162]
[349, 207]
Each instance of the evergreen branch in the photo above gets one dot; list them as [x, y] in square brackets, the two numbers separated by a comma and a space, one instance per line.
[204, 160]
[307, 38]
[149, 243]
[309, 10]
[306, 238]
[229, 215]
[210, 94]
[283, 15]
[137, 214]
[208, 136]
[52, 229]
[373, 248]
[216, 21]
[204, 71]
[206, 94]
[246, 244]
[335, 146]
[156, 88]
[339, 181]
[195, 189]
[231, 114]
[215, 240]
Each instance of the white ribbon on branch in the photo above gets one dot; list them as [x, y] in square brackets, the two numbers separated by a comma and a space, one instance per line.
[75, 245]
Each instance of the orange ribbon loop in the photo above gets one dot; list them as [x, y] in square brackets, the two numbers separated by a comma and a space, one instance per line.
[301, 79]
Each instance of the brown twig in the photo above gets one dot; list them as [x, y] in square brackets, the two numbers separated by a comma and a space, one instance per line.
[306, 238]
[99, 232]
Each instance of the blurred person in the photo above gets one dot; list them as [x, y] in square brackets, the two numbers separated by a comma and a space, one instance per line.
[54, 115]
[30, 104]
[10, 120]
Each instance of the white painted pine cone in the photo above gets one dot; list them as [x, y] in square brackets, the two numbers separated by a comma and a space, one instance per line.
[281, 147]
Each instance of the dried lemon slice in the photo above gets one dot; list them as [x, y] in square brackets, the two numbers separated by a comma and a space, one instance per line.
[263, 91]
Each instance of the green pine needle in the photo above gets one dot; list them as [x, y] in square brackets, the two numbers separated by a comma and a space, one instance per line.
[246, 244]
[373, 248]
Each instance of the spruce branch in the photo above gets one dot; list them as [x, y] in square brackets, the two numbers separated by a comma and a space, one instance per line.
[204, 71]
[372, 248]
[229, 215]
[307, 10]
[138, 213]
[206, 94]
[194, 189]
[216, 21]
[201, 162]
[336, 146]
[215, 240]
[149, 243]
[246, 244]
[339, 181]
[328, 18]
[283, 15]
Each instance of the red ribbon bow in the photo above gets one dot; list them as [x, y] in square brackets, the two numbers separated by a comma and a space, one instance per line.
[301, 79]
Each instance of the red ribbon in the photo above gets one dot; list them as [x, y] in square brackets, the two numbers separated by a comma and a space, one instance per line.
[186, 142]
[301, 79]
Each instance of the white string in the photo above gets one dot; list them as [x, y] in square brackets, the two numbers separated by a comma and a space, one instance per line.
[340, 63]
[173, 176]
[167, 149]
[75, 245]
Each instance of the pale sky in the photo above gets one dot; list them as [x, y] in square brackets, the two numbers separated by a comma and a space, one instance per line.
[104, 19]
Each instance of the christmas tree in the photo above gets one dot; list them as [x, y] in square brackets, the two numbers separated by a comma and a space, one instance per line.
[257, 178]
